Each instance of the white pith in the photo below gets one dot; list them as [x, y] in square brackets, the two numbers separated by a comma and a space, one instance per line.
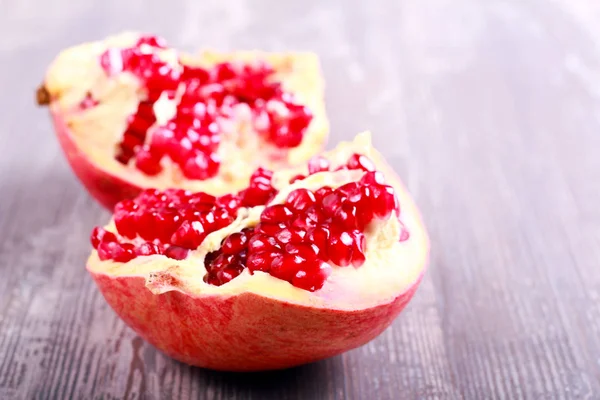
[96, 131]
[391, 267]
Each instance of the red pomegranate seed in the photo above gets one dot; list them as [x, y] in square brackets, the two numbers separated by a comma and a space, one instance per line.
[201, 166]
[290, 235]
[234, 243]
[384, 201]
[322, 192]
[161, 141]
[347, 217]
[339, 248]
[283, 137]
[147, 249]
[297, 178]
[301, 199]
[286, 266]
[261, 242]
[312, 276]
[176, 252]
[101, 235]
[276, 214]
[359, 161]
[229, 272]
[319, 236]
[318, 164]
[120, 252]
[306, 251]
[147, 163]
[309, 218]
[229, 202]
[261, 261]
[373, 178]
[269, 229]
[125, 223]
[189, 235]
[331, 203]
[202, 198]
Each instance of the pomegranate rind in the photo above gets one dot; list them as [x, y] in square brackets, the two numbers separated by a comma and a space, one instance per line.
[246, 332]
[109, 181]
[250, 331]
[108, 189]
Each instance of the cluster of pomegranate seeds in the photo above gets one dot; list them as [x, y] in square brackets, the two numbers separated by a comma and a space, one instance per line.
[207, 95]
[295, 240]
[158, 77]
[320, 164]
[174, 221]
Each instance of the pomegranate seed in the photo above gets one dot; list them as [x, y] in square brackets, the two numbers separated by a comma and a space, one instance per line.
[229, 272]
[201, 166]
[319, 236]
[301, 199]
[312, 276]
[202, 198]
[359, 161]
[101, 235]
[283, 137]
[317, 164]
[147, 163]
[269, 229]
[384, 201]
[261, 261]
[373, 178]
[346, 217]
[234, 243]
[189, 235]
[260, 242]
[306, 251]
[147, 249]
[286, 266]
[339, 248]
[290, 235]
[120, 252]
[176, 252]
[161, 140]
[297, 178]
[322, 192]
[276, 214]
[331, 203]
[228, 201]
[125, 223]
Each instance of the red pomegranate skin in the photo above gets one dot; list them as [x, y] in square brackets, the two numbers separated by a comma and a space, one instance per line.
[107, 188]
[212, 332]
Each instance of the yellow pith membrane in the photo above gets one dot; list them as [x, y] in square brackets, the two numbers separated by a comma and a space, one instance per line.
[97, 131]
[391, 266]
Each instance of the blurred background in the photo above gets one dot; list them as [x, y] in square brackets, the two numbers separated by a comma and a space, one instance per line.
[490, 113]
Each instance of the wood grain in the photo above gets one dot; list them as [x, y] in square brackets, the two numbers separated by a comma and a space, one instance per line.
[489, 110]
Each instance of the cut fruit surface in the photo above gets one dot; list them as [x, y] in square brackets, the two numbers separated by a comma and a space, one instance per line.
[270, 276]
[132, 113]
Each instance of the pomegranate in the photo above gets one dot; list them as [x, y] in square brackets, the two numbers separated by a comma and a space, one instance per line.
[300, 265]
[132, 113]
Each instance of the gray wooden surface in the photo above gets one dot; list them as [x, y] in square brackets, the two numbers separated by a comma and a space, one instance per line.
[490, 111]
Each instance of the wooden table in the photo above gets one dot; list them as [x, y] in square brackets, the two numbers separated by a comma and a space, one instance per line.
[489, 110]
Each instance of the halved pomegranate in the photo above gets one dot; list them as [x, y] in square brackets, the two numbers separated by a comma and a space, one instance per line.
[132, 113]
[275, 275]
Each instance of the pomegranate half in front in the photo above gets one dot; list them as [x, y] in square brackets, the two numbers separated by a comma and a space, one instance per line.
[299, 265]
[132, 113]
